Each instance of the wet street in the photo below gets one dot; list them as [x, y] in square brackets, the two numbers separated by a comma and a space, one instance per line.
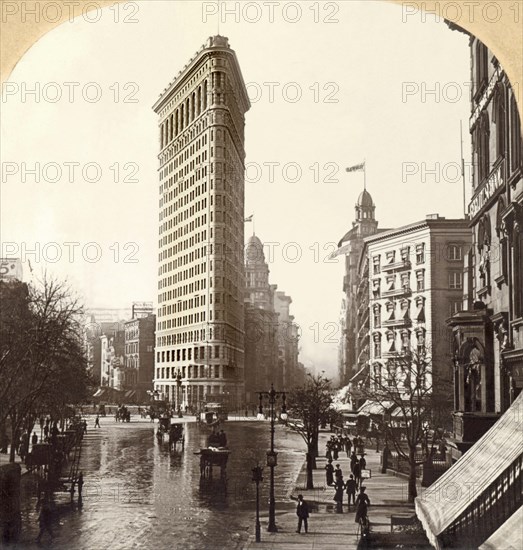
[137, 494]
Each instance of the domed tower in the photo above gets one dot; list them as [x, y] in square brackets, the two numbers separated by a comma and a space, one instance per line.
[351, 245]
[257, 288]
[365, 214]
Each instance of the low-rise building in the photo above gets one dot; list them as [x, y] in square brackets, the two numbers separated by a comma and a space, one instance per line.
[138, 369]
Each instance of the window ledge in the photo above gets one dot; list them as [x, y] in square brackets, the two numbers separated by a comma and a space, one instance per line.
[517, 323]
[484, 291]
[500, 281]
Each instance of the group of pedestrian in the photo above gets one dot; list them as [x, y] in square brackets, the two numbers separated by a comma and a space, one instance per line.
[361, 502]
[337, 444]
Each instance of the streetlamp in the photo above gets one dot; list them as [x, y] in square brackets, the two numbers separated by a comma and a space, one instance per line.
[257, 478]
[272, 457]
[178, 386]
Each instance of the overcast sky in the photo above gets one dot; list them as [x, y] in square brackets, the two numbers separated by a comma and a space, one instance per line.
[369, 86]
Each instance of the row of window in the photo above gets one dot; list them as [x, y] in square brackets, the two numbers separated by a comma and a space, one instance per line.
[192, 371]
[187, 354]
[395, 284]
[451, 252]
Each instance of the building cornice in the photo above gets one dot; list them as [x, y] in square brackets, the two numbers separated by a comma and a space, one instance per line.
[413, 227]
[199, 59]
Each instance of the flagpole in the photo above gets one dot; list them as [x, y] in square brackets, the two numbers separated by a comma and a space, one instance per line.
[364, 175]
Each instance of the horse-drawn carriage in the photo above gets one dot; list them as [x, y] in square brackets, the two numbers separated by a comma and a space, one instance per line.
[173, 432]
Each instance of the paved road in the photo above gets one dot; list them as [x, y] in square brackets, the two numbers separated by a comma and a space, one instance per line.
[139, 495]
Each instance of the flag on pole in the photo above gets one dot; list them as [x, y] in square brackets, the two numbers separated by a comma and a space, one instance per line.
[356, 168]
[249, 219]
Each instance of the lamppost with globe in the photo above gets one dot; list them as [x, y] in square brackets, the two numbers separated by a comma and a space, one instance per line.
[272, 456]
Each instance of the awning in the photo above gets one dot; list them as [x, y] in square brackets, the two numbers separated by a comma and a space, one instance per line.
[373, 407]
[509, 536]
[472, 474]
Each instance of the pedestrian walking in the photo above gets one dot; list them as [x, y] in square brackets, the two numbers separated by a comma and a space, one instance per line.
[362, 503]
[45, 519]
[353, 460]
[329, 473]
[34, 439]
[339, 486]
[84, 423]
[348, 445]
[350, 487]
[357, 473]
[80, 483]
[97, 421]
[335, 449]
[337, 472]
[302, 511]
[363, 463]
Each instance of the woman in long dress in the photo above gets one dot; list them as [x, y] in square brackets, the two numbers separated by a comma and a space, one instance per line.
[329, 472]
[362, 503]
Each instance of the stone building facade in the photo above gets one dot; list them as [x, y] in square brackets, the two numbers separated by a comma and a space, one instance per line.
[200, 314]
[488, 332]
[415, 281]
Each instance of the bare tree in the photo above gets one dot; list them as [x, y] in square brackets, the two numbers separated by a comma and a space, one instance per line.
[42, 360]
[415, 401]
[311, 405]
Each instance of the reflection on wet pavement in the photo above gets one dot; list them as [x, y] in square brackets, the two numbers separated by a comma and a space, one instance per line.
[137, 494]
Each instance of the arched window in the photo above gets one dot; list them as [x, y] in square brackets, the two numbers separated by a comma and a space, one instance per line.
[481, 67]
[204, 92]
[182, 118]
[171, 127]
[193, 107]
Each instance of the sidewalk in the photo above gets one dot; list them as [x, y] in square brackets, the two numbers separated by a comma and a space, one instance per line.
[327, 528]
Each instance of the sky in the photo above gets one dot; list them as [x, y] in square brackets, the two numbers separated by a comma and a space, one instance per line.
[331, 84]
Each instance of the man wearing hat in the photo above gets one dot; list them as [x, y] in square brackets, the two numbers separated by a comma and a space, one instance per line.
[302, 511]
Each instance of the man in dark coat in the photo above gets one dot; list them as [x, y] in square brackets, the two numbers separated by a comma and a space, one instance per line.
[302, 511]
[350, 487]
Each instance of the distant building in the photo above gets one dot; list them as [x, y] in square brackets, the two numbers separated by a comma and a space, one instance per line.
[350, 246]
[138, 369]
[112, 357]
[271, 335]
[261, 324]
[141, 309]
[288, 340]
